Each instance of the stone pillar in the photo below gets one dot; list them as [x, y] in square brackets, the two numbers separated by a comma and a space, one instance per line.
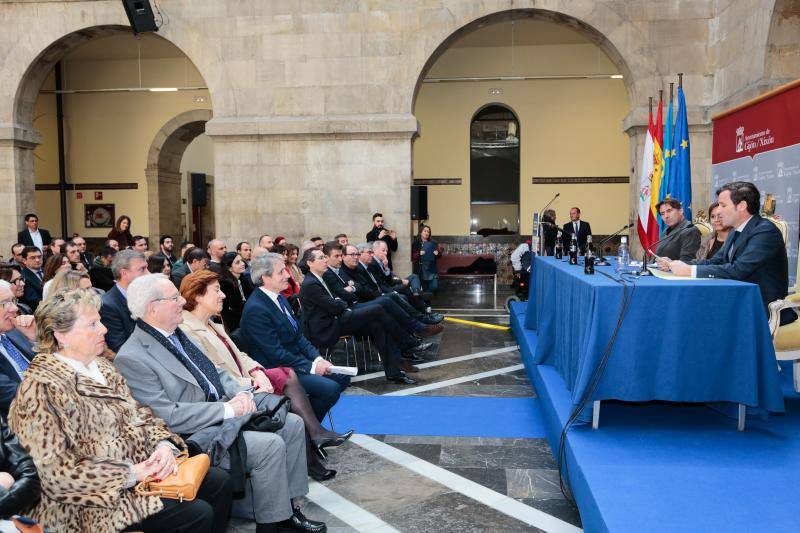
[318, 175]
[17, 181]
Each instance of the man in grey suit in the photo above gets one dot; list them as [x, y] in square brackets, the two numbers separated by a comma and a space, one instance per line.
[172, 376]
[680, 240]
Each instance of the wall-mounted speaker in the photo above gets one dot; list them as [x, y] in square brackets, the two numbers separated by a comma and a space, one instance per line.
[419, 202]
[199, 190]
[140, 15]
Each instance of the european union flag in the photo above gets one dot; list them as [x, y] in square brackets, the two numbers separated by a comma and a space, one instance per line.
[679, 185]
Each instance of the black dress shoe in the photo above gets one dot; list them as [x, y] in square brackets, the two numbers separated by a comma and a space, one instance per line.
[298, 522]
[321, 474]
[332, 442]
[420, 347]
[411, 358]
[401, 379]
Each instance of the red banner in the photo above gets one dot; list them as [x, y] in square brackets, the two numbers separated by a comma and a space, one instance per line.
[767, 123]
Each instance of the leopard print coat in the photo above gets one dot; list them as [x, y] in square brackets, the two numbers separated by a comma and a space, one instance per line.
[82, 437]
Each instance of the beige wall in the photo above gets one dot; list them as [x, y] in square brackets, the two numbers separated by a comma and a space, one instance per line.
[568, 128]
[108, 135]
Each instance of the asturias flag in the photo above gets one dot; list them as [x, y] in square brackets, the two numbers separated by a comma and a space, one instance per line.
[646, 223]
[679, 184]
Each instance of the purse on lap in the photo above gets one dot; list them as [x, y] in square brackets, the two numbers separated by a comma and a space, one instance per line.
[182, 486]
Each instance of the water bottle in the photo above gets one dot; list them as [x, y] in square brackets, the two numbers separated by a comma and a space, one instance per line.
[623, 255]
[588, 260]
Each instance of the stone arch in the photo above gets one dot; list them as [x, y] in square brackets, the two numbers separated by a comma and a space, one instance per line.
[782, 58]
[163, 169]
[593, 34]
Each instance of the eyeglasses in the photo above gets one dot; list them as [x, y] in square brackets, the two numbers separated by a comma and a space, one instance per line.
[8, 304]
[18, 281]
[175, 299]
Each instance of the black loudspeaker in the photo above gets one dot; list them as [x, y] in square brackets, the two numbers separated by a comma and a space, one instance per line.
[419, 202]
[199, 191]
[140, 15]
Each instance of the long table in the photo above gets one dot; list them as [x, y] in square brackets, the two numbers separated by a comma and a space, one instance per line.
[681, 340]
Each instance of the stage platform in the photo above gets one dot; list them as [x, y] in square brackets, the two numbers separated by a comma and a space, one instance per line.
[673, 468]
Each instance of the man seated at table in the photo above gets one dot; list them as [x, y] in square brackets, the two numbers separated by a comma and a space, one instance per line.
[754, 252]
[681, 240]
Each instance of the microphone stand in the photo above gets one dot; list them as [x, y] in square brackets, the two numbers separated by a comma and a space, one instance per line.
[648, 250]
[601, 259]
[539, 239]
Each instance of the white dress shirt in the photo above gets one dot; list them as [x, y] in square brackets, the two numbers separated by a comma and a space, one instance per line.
[36, 237]
[739, 229]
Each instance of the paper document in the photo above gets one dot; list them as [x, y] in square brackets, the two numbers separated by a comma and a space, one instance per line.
[669, 275]
[345, 370]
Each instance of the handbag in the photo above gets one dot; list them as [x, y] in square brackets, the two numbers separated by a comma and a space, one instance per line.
[182, 486]
[271, 414]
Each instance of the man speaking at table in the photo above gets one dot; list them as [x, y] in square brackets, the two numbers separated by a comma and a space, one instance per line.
[754, 252]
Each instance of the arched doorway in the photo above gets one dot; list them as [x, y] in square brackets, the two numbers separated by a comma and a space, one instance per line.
[100, 99]
[782, 59]
[164, 179]
[494, 171]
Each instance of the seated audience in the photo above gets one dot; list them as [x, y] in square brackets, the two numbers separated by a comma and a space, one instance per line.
[34, 276]
[17, 334]
[293, 287]
[67, 280]
[380, 269]
[56, 247]
[272, 336]
[86, 258]
[20, 486]
[100, 273]
[55, 263]
[710, 244]
[292, 253]
[127, 266]
[165, 248]
[113, 243]
[278, 240]
[216, 250]
[204, 299]
[680, 240]
[185, 245]
[13, 275]
[172, 376]
[158, 264]
[318, 242]
[266, 242]
[237, 289]
[193, 260]
[140, 244]
[16, 254]
[328, 317]
[92, 442]
[341, 238]
[121, 232]
[72, 251]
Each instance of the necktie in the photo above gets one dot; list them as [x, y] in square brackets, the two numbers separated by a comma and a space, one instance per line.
[40, 275]
[575, 225]
[732, 249]
[14, 354]
[370, 275]
[326, 287]
[285, 309]
[194, 368]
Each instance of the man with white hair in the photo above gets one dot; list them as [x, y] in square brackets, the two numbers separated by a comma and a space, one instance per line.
[16, 351]
[171, 375]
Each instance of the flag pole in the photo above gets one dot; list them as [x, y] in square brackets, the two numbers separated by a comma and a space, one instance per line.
[650, 103]
[671, 88]
[680, 80]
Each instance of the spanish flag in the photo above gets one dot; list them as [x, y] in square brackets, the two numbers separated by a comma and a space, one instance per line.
[652, 168]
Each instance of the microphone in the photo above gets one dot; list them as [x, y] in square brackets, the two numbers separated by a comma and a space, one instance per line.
[648, 250]
[601, 260]
[540, 244]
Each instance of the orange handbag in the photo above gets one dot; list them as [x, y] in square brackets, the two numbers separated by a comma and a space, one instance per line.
[182, 486]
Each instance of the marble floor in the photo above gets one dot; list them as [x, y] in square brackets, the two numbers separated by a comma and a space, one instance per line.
[420, 484]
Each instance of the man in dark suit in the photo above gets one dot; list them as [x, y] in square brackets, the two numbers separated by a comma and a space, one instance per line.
[328, 317]
[32, 272]
[754, 251]
[379, 232]
[272, 336]
[114, 313]
[345, 288]
[85, 258]
[216, 251]
[576, 227]
[194, 259]
[681, 239]
[32, 235]
[16, 351]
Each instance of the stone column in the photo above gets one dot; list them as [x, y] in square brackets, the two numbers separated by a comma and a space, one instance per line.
[17, 181]
[320, 175]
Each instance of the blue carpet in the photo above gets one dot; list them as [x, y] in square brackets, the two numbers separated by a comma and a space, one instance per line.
[667, 468]
[447, 416]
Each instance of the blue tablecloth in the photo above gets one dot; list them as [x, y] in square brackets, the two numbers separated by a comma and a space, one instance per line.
[685, 341]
